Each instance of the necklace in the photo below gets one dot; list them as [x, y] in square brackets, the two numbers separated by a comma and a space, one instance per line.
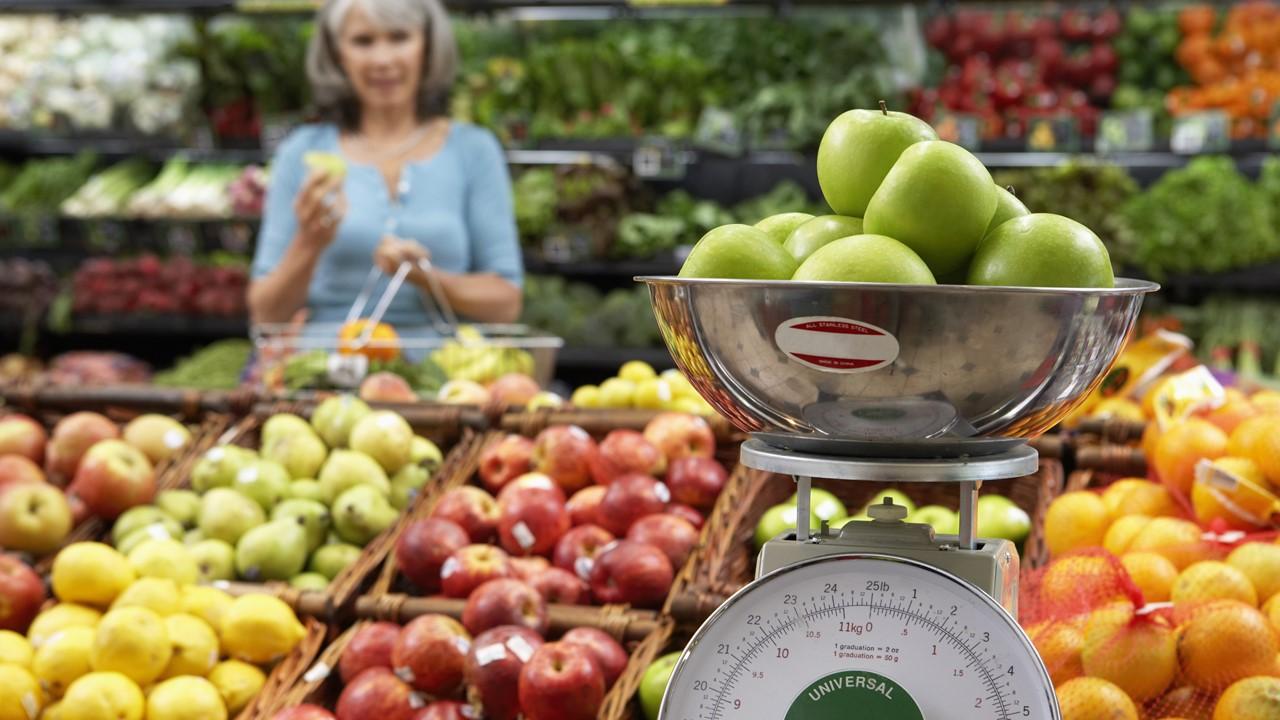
[405, 146]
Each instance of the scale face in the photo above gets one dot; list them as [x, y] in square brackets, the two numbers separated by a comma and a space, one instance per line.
[860, 636]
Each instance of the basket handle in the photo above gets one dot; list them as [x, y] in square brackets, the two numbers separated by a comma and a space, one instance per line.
[448, 326]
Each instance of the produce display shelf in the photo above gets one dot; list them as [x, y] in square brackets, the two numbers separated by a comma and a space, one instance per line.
[209, 327]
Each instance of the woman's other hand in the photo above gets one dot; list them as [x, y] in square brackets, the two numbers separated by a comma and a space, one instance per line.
[392, 252]
[320, 207]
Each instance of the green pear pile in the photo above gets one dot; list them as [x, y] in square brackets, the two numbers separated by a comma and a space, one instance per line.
[910, 209]
[301, 507]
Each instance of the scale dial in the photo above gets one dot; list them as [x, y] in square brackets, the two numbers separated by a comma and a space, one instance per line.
[854, 636]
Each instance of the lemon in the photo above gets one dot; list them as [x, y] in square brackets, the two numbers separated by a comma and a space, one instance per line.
[53, 711]
[91, 573]
[132, 641]
[238, 683]
[208, 604]
[185, 698]
[617, 393]
[15, 649]
[165, 559]
[20, 695]
[653, 394]
[693, 406]
[102, 695]
[64, 659]
[160, 595]
[680, 385]
[637, 371]
[259, 629]
[58, 618]
[587, 396]
[195, 646]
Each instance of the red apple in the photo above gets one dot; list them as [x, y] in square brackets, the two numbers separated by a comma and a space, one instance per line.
[71, 439]
[16, 469]
[527, 568]
[423, 548]
[504, 602]
[606, 651]
[20, 435]
[369, 647]
[680, 435]
[444, 710]
[472, 566]
[514, 389]
[531, 480]
[505, 460]
[696, 481]
[21, 594]
[531, 521]
[375, 693]
[673, 535]
[694, 517]
[564, 453]
[632, 573]
[559, 586]
[561, 682]
[430, 654]
[303, 712]
[577, 550]
[387, 387]
[583, 505]
[113, 477]
[625, 451]
[630, 498]
[79, 511]
[493, 668]
[473, 509]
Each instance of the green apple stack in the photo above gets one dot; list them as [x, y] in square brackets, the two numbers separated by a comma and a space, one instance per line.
[908, 209]
[301, 507]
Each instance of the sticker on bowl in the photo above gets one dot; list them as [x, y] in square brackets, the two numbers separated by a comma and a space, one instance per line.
[836, 344]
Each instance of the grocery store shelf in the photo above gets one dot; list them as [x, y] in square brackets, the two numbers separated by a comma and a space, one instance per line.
[1263, 279]
[611, 358]
[160, 325]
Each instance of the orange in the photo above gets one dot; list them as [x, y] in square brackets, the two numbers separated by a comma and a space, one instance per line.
[1079, 583]
[1139, 653]
[1234, 493]
[1245, 439]
[1178, 540]
[1150, 436]
[1135, 496]
[1089, 698]
[1230, 414]
[1255, 698]
[1122, 532]
[1059, 645]
[1260, 562]
[1184, 703]
[1271, 609]
[1266, 451]
[1153, 574]
[1184, 444]
[1213, 580]
[382, 344]
[1267, 401]
[1075, 520]
[1226, 642]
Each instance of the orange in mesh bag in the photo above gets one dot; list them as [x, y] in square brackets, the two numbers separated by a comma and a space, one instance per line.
[1133, 649]
[1074, 585]
[1222, 642]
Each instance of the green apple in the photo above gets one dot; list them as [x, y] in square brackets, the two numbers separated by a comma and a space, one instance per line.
[818, 232]
[823, 504]
[275, 551]
[361, 513]
[309, 581]
[281, 425]
[215, 560]
[1008, 207]
[384, 436]
[313, 517]
[942, 519]
[425, 453]
[192, 536]
[141, 517]
[300, 453]
[218, 467]
[937, 200]
[738, 251]
[1000, 517]
[347, 468]
[653, 684]
[329, 560]
[263, 481]
[780, 226]
[859, 149]
[406, 484]
[865, 258]
[181, 505]
[1042, 250]
[779, 519]
[307, 489]
[334, 417]
[226, 515]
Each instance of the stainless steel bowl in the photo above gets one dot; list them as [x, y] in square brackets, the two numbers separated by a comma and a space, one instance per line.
[893, 370]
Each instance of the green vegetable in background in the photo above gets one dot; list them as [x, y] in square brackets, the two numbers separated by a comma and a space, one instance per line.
[42, 184]
[217, 366]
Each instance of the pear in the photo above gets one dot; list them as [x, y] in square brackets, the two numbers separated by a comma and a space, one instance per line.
[306, 489]
[215, 560]
[426, 453]
[218, 467]
[166, 529]
[281, 425]
[275, 551]
[141, 517]
[192, 536]
[299, 452]
[406, 485]
[226, 515]
[263, 481]
[384, 436]
[309, 581]
[334, 418]
[347, 468]
[181, 505]
[362, 512]
[332, 559]
[311, 516]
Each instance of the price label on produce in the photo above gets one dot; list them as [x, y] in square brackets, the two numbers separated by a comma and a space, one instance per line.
[346, 371]
[1059, 133]
[1205, 132]
[963, 130]
[1126, 131]
[659, 159]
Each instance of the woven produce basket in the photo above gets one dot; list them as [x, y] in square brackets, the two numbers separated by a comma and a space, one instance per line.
[1112, 460]
[599, 422]
[285, 673]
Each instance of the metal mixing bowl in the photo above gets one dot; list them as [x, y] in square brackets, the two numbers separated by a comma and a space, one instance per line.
[893, 370]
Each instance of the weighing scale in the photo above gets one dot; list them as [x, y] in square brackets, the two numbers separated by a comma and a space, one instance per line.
[853, 382]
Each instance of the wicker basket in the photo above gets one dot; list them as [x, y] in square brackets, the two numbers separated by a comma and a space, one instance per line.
[1111, 459]
[599, 422]
[285, 673]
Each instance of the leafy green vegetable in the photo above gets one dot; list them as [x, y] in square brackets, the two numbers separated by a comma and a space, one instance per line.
[217, 366]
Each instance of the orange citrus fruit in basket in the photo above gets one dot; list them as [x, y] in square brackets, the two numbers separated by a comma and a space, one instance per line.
[1178, 540]
[1260, 562]
[1150, 436]
[1137, 653]
[1255, 698]
[1075, 520]
[1271, 609]
[1184, 703]
[1135, 496]
[1152, 573]
[1246, 439]
[1266, 450]
[1225, 642]
[1078, 583]
[1122, 532]
[1234, 493]
[1213, 580]
[1059, 645]
[1231, 413]
[383, 342]
[1089, 698]
[1267, 401]
[1183, 445]
[1118, 407]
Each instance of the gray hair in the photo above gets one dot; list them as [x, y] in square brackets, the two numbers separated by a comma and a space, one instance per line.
[330, 87]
